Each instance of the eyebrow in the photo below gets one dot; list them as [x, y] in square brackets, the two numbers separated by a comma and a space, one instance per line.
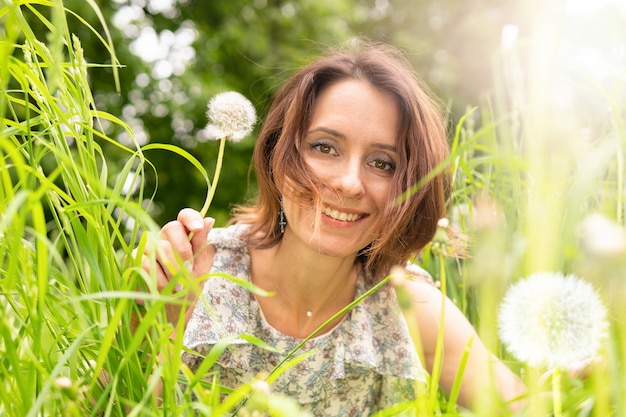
[340, 135]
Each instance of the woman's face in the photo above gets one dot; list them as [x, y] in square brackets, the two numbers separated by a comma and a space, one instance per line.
[351, 146]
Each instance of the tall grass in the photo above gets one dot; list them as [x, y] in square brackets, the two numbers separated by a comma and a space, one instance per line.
[65, 230]
[523, 185]
[527, 181]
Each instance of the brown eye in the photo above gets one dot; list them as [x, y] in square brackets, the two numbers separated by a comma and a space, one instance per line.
[325, 148]
[383, 165]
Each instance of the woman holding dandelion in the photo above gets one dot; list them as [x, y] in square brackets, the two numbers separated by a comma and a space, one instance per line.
[348, 189]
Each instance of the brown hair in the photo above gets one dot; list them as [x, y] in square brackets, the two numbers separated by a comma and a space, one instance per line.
[410, 220]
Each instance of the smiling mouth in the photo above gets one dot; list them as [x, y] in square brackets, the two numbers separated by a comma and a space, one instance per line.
[340, 215]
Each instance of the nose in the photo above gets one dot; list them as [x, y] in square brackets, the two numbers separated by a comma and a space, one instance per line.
[349, 180]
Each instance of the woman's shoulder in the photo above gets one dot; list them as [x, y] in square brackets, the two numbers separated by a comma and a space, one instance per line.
[231, 237]
[231, 254]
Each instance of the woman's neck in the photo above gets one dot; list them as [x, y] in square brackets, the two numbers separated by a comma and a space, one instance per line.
[308, 287]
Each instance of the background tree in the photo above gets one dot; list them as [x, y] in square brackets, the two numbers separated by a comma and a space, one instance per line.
[176, 54]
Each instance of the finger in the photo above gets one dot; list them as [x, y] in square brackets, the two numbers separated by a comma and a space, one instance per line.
[153, 269]
[580, 369]
[202, 260]
[191, 219]
[178, 247]
[156, 272]
[199, 239]
[168, 264]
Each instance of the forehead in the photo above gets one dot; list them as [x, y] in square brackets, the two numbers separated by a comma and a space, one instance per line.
[359, 110]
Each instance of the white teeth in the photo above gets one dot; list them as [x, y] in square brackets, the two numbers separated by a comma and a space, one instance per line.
[338, 215]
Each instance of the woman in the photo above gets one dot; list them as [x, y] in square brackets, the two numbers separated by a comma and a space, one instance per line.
[345, 139]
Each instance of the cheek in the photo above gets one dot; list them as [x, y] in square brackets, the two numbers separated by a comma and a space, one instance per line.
[295, 211]
[315, 168]
[384, 202]
[383, 192]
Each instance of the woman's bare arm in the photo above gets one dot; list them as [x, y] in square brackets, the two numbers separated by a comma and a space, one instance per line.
[483, 369]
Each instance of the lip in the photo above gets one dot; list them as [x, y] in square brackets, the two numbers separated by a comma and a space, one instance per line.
[342, 215]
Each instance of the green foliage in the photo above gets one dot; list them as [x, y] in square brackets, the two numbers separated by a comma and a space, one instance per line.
[63, 223]
[243, 46]
[79, 181]
[205, 48]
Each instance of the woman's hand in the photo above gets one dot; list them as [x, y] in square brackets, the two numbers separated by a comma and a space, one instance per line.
[580, 370]
[182, 254]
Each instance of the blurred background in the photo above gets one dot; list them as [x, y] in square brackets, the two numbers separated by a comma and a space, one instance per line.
[176, 54]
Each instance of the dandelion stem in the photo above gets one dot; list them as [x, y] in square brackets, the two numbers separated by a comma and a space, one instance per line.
[620, 186]
[556, 392]
[437, 361]
[216, 176]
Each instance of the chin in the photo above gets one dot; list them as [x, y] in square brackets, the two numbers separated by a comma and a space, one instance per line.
[338, 249]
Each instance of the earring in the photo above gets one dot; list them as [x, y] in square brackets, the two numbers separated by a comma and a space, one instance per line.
[281, 215]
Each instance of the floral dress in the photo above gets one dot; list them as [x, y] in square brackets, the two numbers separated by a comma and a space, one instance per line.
[366, 363]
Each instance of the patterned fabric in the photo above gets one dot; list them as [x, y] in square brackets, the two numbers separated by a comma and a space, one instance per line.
[366, 363]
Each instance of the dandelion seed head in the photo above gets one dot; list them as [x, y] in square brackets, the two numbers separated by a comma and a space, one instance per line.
[601, 236]
[553, 320]
[261, 386]
[28, 56]
[63, 383]
[398, 276]
[449, 242]
[231, 116]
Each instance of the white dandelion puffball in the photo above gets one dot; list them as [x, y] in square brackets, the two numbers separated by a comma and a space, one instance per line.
[553, 320]
[601, 236]
[231, 116]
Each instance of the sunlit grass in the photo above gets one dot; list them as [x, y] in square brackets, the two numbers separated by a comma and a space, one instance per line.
[64, 233]
[526, 174]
